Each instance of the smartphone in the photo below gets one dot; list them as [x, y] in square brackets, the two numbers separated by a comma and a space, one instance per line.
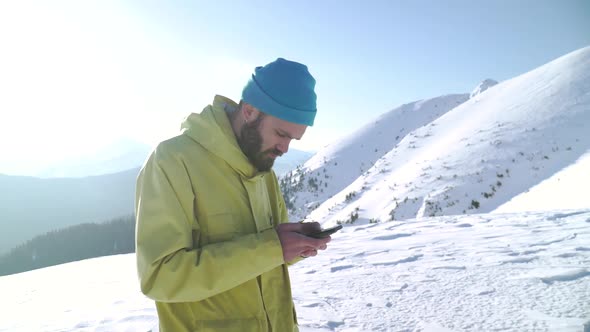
[325, 232]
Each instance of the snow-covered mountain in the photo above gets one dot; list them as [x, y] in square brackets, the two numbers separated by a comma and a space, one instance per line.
[471, 159]
[489, 272]
[339, 164]
[483, 86]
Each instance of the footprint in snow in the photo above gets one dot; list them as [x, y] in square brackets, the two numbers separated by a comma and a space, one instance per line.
[82, 325]
[518, 260]
[372, 253]
[493, 236]
[310, 304]
[546, 243]
[341, 267]
[334, 324]
[393, 226]
[392, 236]
[568, 275]
[395, 288]
[567, 255]
[481, 291]
[528, 252]
[362, 228]
[449, 267]
[396, 262]
[564, 215]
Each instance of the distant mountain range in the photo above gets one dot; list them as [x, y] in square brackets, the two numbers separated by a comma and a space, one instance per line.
[95, 188]
[455, 154]
[290, 160]
[125, 154]
[118, 156]
[32, 206]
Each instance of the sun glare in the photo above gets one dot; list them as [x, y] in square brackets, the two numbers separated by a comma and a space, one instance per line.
[71, 84]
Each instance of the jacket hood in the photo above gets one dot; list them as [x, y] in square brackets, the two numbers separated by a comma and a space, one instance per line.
[212, 129]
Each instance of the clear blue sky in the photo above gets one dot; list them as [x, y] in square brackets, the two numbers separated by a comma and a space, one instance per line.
[136, 68]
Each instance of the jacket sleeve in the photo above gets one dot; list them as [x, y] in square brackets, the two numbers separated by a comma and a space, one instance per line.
[172, 265]
[283, 213]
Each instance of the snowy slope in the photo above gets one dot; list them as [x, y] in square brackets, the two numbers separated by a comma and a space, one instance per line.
[488, 272]
[480, 154]
[566, 189]
[336, 166]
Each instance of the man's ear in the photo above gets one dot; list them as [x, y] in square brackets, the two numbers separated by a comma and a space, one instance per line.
[249, 112]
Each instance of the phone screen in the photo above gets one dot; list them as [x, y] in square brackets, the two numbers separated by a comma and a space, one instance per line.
[326, 232]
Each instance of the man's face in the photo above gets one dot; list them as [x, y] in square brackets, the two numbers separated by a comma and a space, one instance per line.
[266, 137]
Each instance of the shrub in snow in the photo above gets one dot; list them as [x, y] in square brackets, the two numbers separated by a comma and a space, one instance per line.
[350, 196]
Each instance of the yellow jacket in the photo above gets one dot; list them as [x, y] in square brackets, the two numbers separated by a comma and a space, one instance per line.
[207, 250]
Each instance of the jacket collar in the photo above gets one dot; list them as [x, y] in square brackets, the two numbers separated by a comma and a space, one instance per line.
[212, 129]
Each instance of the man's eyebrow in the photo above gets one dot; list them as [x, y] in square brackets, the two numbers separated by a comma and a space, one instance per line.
[284, 133]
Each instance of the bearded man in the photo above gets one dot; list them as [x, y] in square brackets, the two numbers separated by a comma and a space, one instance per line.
[213, 239]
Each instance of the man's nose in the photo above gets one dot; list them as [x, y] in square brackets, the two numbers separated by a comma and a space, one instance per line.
[284, 146]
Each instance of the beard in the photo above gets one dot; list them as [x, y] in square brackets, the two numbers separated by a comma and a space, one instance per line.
[250, 141]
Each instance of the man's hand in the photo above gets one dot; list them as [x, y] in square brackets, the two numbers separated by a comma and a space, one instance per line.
[295, 243]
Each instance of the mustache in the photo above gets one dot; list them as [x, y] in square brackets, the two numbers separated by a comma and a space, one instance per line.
[274, 151]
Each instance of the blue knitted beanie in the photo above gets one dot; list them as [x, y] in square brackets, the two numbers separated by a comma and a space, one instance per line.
[284, 89]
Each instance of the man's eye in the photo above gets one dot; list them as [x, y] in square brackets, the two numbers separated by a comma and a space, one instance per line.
[281, 135]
